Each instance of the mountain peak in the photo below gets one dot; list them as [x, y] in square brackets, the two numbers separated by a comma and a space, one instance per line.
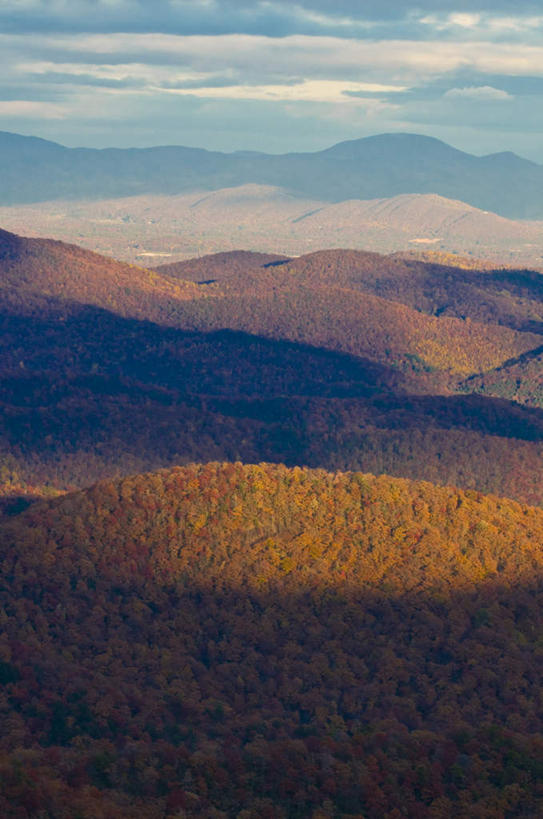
[408, 144]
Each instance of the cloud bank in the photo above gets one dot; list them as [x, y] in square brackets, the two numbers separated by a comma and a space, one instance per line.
[272, 75]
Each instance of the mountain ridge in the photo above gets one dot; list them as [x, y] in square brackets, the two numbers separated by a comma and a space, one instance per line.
[36, 170]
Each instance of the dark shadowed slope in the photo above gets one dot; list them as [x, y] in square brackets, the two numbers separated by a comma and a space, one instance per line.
[85, 394]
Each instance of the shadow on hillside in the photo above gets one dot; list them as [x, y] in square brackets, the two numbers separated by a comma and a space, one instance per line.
[87, 394]
[11, 505]
[280, 700]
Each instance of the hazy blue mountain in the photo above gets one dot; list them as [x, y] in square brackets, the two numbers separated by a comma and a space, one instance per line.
[34, 170]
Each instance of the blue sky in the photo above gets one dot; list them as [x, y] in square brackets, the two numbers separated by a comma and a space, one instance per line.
[270, 75]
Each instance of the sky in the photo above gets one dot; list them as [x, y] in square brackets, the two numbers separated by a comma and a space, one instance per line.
[273, 76]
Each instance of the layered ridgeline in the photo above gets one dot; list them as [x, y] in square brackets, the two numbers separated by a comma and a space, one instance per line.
[35, 170]
[340, 360]
[230, 640]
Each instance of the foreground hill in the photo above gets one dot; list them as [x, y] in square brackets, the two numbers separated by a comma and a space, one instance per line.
[286, 643]
[34, 170]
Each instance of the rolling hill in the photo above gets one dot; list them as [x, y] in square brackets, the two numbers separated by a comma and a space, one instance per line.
[252, 357]
[281, 642]
[329, 299]
[512, 298]
[313, 300]
[34, 270]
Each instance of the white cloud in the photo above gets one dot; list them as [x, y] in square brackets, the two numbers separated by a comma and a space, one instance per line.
[150, 74]
[465, 20]
[455, 20]
[32, 109]
[483, 24]
[307, 91]
[118, 77]
[519, 25]
[479, 92]
[313, 68]
[298, 55]
[320, 18]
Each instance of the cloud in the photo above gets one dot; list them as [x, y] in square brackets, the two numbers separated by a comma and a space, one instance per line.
[489, 27]
[455, 20]
[302, 66]
[479, 92]
[382, 61]
[333, 91]
[268, 17]
[32, 109]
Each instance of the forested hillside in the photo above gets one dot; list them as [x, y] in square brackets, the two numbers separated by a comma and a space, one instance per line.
[109, 369]
[282, 642]
[223, 639]
[34, 270]
[89, 395]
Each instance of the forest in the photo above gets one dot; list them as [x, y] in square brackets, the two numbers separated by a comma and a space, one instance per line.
[108, 369]
[270, 537]
[225, 640]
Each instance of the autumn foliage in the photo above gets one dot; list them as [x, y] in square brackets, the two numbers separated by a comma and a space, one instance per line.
[108, 369]
[285, 642]
[220, 639]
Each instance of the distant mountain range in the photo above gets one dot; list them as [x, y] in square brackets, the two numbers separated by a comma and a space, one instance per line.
[35, 170]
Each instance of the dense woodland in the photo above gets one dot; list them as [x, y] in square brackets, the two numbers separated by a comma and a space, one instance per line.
[230, 640]
[221, 639]
[254, 357]
[90, 395]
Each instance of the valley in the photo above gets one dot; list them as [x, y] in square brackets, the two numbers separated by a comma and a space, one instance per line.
[154, 228]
